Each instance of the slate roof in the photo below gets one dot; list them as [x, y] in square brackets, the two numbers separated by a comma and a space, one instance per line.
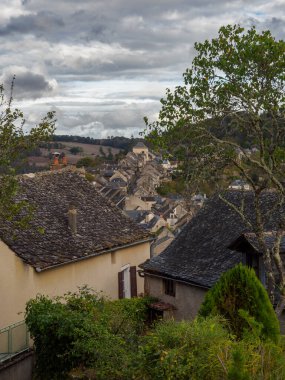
[140, 145]
[248, 242]
[136, 215]
[148, 199]
[153, 221]
[49, 242]
[200, 253]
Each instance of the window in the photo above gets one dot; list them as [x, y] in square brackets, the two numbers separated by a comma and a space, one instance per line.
[127, 285]
[169, 287]
[252, 261]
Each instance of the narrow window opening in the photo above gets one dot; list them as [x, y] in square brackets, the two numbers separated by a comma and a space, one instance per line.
[169, 287]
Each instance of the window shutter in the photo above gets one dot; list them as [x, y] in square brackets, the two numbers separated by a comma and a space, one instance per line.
[121, 284]
[133, 276]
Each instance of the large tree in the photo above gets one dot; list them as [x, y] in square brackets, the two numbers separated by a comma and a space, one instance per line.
[15, 141]
[228, 118]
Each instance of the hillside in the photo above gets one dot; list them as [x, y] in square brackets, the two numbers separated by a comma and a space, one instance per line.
[42, 159]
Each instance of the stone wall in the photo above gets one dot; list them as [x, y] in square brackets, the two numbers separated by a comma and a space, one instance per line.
[187, 298]
[20, 367]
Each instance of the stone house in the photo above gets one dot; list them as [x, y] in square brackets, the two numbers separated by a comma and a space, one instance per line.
[239, 184]
[120, 174]
[215, 240]
[141, 149]
[75, 238]
[155, 224]
[134, 202]
[162, 241]
[149, 200]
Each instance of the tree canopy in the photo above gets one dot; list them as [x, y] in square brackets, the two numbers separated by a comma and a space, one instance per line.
[241, 299]
[15, 141]
[228, 121]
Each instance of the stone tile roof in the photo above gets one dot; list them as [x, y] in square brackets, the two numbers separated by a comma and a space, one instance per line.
[200, 253]
[140, 145]
[248, 242]
[137, 215]
[49, 242]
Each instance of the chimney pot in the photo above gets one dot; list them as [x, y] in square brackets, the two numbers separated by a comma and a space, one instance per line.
[72, 219]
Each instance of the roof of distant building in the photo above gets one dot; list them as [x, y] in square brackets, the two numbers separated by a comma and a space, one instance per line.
[140, 145]
[148, 198]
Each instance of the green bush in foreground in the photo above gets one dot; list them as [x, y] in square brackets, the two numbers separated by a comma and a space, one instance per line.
[242, 300]
[84, 330]
[204, 349]
[94, 338]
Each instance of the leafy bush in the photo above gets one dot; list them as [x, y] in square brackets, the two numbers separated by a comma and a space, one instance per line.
[204, 349]
[84, 330]
[241, 299]
[184, 350]
[97, 338]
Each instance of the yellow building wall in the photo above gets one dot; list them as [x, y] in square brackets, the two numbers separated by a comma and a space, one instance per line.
[19, 282]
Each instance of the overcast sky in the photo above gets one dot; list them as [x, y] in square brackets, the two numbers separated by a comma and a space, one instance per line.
[104, 64]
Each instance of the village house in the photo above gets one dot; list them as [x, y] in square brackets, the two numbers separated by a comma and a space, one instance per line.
[162, 241]
[215, 240]
[239, 184]
[115, 194]
[172, 211]
[134, 202]
[142, 150]
[75, 238]
[155, 224]
[122, 174]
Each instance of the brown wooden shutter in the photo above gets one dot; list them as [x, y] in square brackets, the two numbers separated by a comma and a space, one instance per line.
[133, 277]
[121, 284]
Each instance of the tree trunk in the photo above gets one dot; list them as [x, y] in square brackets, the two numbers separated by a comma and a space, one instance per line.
[280, 268]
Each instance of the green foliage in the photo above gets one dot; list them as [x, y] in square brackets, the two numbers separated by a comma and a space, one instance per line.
[171, 187]
[102, 152]
[85, 330]
[90, 177]
[242, 300]
[120, 142]
[183, 350]
[75, 150]
[237, 370]
[86, 162]
[89, 162]
[232, 98]
[110, 156]
[15, 144]
[102, 339]
[204, 349]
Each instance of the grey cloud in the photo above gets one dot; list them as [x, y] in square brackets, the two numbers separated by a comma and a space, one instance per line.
[41, 22]
[124, 121]
[79, 42]
[130, 116]
[159, 35]
[28, 84]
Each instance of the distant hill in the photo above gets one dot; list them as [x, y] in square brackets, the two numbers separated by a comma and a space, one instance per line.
[119, 142]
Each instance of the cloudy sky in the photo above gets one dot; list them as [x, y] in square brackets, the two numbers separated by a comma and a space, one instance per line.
[104, 64]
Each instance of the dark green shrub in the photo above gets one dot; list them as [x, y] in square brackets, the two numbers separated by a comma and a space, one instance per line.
[239, 289]
[85, 330]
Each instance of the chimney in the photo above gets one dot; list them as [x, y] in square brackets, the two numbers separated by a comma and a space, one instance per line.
[72, 219]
